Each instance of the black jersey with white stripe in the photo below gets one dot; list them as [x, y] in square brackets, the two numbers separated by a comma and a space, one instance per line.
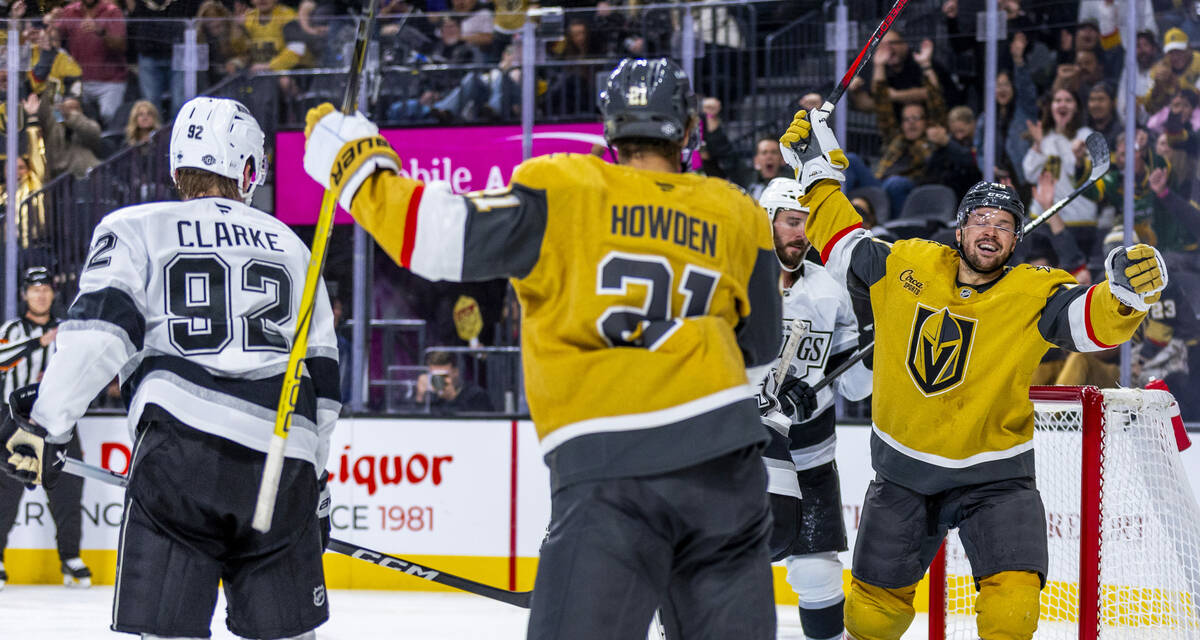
[195, 305]
[23, 358]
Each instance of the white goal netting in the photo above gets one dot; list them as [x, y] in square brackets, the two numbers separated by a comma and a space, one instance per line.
[1148, 570]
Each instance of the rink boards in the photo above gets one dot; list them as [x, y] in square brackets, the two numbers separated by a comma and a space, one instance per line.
[470, 497]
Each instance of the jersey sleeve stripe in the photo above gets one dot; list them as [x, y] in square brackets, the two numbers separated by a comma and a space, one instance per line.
[440, 228]
[410, 225]
[326, 378]
[115, 307]
[759, 333]
[835, 239]
[1087, 320]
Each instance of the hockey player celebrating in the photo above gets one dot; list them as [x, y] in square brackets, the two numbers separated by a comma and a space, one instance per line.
[646, 293]
[812, 539]
[194, 304]
[958, 335]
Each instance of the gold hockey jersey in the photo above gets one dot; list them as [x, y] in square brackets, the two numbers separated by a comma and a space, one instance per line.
[645, 296]
[952, 362]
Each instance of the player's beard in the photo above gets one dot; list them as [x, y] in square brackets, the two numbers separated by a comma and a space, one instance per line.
[792, 254]
[986, 262]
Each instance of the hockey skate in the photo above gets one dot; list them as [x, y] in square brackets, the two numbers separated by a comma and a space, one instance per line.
[76, 574]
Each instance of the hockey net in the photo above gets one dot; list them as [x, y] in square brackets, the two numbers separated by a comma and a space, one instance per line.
[1123, 525]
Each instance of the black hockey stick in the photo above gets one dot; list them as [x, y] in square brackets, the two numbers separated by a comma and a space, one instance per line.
[1097, 148]
[264, 507]
[868, 50]
[517, 598]
[844, 367]
[864, 56]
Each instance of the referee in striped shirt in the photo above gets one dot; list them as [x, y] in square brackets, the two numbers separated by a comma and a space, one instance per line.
[26, 345]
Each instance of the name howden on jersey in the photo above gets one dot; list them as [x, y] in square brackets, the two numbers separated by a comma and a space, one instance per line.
[663, 223]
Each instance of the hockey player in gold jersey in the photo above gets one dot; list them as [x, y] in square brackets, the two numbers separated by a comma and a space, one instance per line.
[649, 301]
[958, 334]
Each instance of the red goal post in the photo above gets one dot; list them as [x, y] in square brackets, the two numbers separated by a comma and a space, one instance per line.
[1122, 524]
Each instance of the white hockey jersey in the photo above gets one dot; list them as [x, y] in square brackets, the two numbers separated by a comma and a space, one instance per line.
[195, 304]
[832, 337]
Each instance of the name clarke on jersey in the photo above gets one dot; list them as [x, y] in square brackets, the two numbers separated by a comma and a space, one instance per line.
[687, 231]
[215, 234]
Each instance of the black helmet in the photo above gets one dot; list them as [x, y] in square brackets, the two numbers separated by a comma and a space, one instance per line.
[995, 195]
[647, 99]
[36, 275]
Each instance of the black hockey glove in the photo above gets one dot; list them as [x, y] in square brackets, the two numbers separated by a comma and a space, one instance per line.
[28, 456]
[798, 400]
[324, 507]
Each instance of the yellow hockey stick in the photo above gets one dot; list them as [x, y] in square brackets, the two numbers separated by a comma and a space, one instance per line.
[264, 509]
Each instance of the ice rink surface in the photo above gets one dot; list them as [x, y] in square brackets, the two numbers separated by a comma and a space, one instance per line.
[54, 613]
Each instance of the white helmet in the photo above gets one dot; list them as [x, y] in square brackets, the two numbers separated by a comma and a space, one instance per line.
[219, 135]
[782, 193]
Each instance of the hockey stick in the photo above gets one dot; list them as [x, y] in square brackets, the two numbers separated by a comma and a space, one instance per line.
[517, 598]
[772, 414]
[264, 509]
[844, 367]
[796, 332]
[864, 56]
[868, 50]
[1097, 148]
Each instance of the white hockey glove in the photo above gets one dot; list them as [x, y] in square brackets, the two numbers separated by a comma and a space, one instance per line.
[1136, 275]
[341, 151]
[29, 454]
[770, 409]
[810, 148]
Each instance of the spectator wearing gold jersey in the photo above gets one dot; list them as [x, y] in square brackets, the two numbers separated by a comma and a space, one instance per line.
[1178, 69]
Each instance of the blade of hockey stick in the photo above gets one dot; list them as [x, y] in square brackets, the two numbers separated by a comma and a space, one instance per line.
[516, 598]
[264, 508]
[1097, 148]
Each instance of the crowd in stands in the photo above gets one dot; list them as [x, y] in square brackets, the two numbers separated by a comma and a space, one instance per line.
[104, 75]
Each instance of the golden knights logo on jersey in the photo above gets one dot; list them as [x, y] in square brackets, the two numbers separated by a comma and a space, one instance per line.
[939, 349]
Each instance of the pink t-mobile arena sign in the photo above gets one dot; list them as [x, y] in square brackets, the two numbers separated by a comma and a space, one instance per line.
[469, 158]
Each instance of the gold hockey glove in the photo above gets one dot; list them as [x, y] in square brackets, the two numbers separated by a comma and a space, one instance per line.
[1136, 275]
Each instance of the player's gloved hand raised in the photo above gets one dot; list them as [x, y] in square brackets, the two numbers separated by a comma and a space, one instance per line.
[341, 151]
[797, 398]
[324, 508]
[1136, 275]
[822, 158]
[29, 455]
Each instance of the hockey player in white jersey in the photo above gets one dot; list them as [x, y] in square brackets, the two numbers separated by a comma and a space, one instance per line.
[195, 304]
[810, 533]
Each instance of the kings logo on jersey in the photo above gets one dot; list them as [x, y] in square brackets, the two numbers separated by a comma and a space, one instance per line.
[812, 352]
[939, 349]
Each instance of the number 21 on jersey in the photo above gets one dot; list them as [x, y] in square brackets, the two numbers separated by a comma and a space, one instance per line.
[649, 325]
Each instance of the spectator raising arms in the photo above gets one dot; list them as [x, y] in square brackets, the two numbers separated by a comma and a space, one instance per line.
[50, 65]
[1059, 147]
